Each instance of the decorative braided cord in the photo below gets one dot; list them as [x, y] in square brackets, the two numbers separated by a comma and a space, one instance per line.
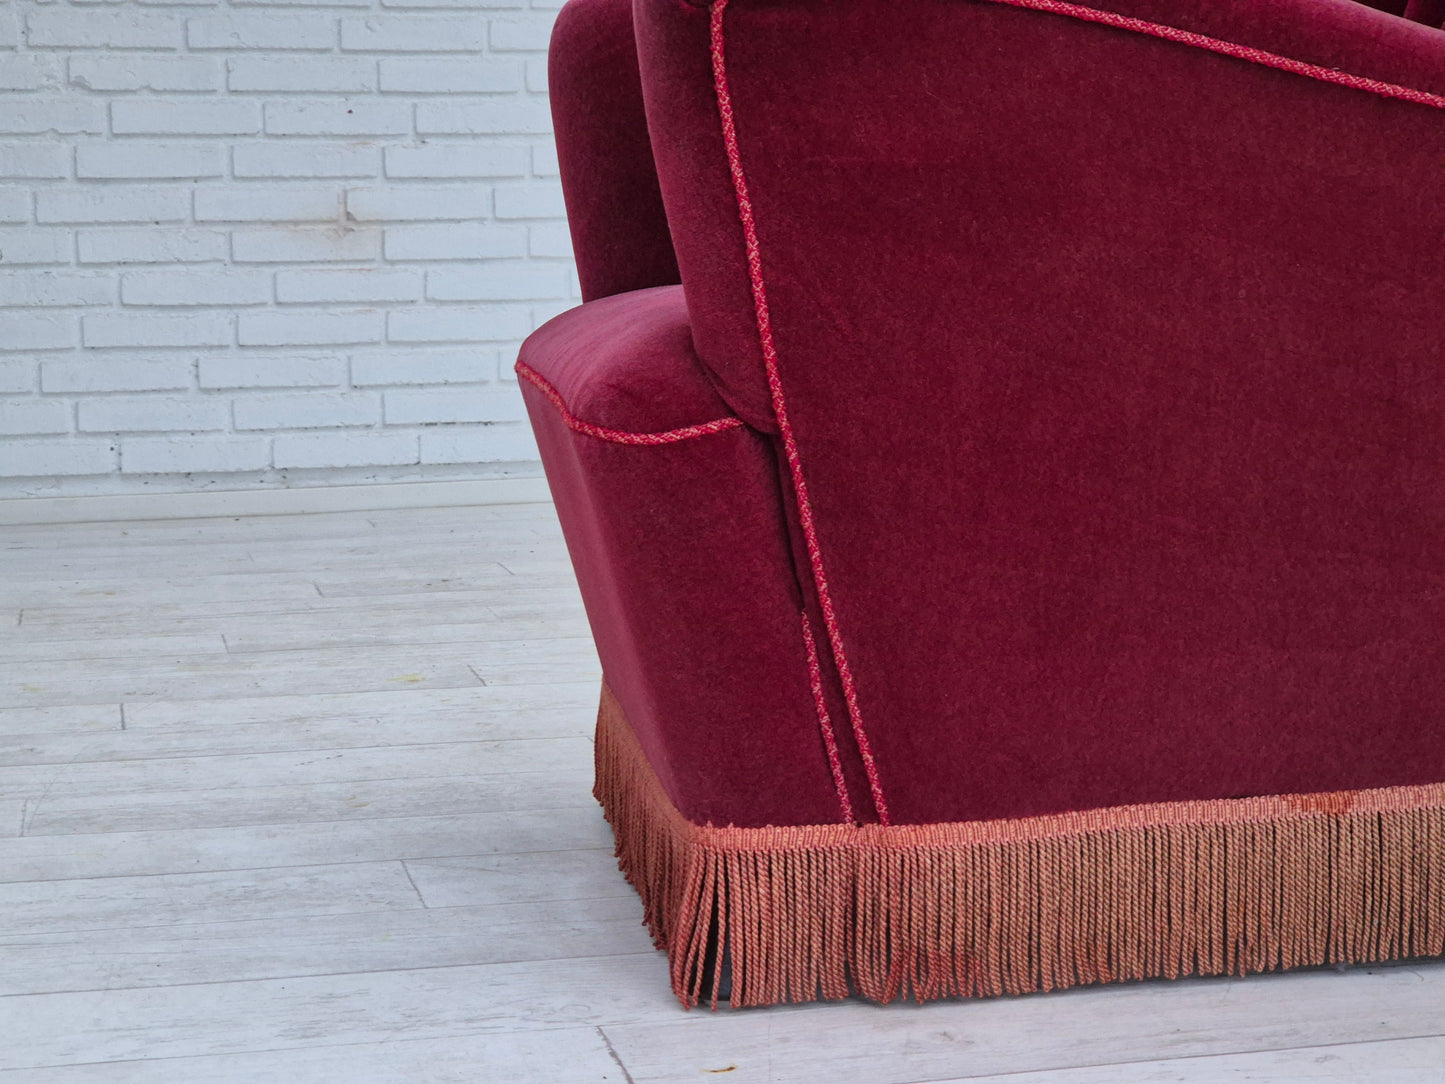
[780, 409]
[620, 436]
[825, 721]
[1229, 48]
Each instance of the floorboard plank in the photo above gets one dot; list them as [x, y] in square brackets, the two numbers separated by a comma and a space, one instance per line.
[119, 903]
[365, 799]
[183, 850]
[383, 629]
[336, 670]
[59, 719]
[390, 939]
[294, 1013]
[24, 650]
[123, 589]
[513, 662]
[60, 621]
[211, 739]
[400, 708]
[130, 778]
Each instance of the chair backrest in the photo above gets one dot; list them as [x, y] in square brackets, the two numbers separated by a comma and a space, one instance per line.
[1114, 369]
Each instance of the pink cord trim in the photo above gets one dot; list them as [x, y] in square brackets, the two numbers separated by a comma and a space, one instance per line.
[620, 436]
[825, 721]
[1229, 48]
[780, 408]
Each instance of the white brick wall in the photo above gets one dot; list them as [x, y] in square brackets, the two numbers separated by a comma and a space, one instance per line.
[251, 243]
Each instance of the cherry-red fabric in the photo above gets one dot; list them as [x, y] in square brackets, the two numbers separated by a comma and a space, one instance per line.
[626, 362]
[1114, 366]
[619, 231]
[682, 554]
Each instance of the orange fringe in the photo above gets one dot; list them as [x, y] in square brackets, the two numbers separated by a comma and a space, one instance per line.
[982, 908]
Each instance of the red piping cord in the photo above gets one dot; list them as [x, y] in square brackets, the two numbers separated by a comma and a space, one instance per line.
[785, 428]
[1229, 48]
[825, 721]
[619, 436]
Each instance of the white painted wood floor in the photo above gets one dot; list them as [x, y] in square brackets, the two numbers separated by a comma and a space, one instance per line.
[305, 798]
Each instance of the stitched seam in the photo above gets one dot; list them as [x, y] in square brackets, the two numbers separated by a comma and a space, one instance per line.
[780, 408]
[1233, 49]
[620, 436]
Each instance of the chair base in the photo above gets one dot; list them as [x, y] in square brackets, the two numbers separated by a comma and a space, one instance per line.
[1172, 889]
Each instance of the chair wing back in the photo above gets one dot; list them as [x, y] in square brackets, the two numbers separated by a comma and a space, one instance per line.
[619, 231]
[1113, 364]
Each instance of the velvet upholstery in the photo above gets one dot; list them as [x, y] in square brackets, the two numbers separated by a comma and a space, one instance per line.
[1114, 367]
[619, 231]
[682, 555]
[626, 362]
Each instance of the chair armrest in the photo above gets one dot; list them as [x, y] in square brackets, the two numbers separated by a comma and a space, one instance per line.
[674, 520]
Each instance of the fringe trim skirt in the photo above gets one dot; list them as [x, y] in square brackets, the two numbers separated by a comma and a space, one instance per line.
[971, 909]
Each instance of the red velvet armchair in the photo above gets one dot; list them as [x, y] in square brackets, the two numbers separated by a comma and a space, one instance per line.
[1001, 453]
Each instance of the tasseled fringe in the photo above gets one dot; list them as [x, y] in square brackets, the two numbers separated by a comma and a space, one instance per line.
[1230, 886]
